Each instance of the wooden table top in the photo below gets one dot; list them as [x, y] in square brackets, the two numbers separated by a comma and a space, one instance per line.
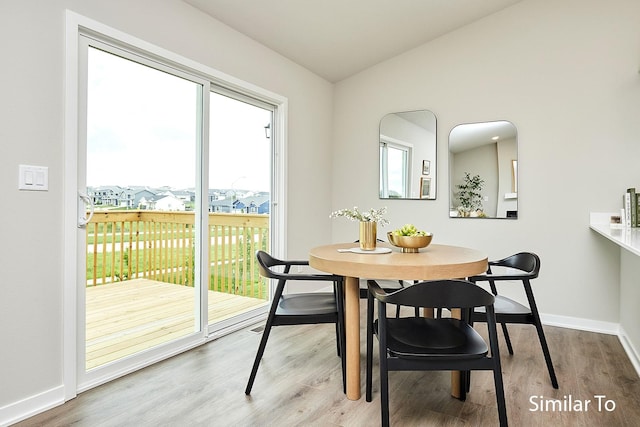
[431, 263]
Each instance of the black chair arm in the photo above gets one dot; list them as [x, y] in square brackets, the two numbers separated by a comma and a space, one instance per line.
[309, 277]
[295, 262]
[499, 277]
[375, 290]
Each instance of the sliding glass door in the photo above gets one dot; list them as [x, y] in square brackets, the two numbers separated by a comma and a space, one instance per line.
[140, 241]
[173, 179]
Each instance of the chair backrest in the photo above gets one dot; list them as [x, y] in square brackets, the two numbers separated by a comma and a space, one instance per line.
[265, 262]
[439, 293]
[526, 262]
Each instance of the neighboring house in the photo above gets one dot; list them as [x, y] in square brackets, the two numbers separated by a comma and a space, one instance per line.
[126, 198]
[169, 202]
[186, 196]
[224, 205]
[142, 193]
[257, 204]
[164, 202]
[105, 195]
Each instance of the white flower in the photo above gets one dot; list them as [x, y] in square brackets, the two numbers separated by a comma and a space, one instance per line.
[373, 215]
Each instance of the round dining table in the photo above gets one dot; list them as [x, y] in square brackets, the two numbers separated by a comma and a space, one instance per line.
[387, 262]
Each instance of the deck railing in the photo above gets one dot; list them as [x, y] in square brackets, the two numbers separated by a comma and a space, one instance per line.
[123, 245]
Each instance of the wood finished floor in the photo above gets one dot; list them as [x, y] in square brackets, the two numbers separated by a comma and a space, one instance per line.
[126, 317]
[299, 384]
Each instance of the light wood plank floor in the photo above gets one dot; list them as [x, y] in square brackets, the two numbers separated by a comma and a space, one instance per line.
[299, 384]
[130, 316]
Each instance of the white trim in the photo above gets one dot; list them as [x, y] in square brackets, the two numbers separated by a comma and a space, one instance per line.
[225, 328]
[580, 324]
[280, 178]
[70, 188]
[395, 141]
[141, 360]
[631, 351]
[33, 405]
[599, 327]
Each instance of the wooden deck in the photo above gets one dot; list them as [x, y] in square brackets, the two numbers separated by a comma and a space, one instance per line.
[130, 316]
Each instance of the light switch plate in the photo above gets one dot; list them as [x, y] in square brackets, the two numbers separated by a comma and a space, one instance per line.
[33, 178]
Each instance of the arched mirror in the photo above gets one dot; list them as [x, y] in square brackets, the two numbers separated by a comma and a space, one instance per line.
[408, 155]
[483, 170]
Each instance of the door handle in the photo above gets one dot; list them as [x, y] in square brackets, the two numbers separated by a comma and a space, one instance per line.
[85, 200]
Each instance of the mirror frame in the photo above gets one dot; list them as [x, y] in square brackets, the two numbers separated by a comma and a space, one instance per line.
[495, 142]
[403, 131]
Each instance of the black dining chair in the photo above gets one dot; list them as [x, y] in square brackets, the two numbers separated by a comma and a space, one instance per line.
[300, 308]
[521, 267]
[426, 344]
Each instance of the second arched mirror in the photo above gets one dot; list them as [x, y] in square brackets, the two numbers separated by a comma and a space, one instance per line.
[408, 166]
[483, 170]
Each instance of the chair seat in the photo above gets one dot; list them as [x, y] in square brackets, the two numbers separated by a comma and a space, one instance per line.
[417, 337]
[312, 303]
[504, 305]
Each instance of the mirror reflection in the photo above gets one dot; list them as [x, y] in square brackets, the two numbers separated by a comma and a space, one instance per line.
[408, 155]
[483, 170]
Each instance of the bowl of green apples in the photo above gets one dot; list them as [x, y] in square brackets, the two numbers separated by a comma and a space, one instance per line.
[409, 239]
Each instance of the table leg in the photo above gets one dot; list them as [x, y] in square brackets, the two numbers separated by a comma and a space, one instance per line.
[352, 329]
[455, 375]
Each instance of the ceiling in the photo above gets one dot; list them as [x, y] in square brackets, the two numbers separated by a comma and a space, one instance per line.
[472, 135]
[338, 38]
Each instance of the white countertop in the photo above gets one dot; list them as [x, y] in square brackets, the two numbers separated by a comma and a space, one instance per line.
[628, 238]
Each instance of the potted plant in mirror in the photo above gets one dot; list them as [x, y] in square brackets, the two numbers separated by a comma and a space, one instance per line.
[368, 224]
[470, 196]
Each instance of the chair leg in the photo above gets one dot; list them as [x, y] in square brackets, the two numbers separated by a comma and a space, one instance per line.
[547, 355]
[369, 364]
[497, 368]
[543, 341]
[507, 338]
[464, 385]
[384, 389]
[384, 368]
[256, 363]
[341, 334]
[502, 406]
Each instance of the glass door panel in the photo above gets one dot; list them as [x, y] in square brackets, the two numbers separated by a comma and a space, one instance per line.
[239, 205]
[142, 287]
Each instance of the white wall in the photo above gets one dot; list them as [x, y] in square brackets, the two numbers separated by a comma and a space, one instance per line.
[32, 106]
[565, 73]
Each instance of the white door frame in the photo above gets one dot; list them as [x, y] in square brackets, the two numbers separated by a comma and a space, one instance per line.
[75, 25]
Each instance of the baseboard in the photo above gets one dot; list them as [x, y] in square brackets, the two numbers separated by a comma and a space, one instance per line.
[581, 324]
[589, 325]
[630, 349]
[31, 406]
